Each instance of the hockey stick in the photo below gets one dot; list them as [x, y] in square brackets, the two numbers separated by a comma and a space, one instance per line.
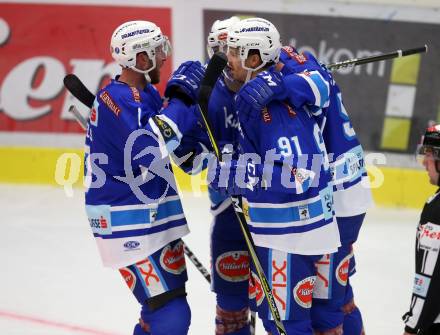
[213, 71]
[75, 86]
[371, 59]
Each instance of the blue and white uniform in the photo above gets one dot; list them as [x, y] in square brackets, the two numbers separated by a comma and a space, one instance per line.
[290, 217]
[352, 196]
[127, 141]
[294, 213]
[131, 200]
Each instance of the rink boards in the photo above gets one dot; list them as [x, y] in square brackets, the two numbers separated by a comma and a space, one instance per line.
[392, 186]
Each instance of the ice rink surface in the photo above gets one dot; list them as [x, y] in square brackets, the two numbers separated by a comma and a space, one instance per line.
[52, 281]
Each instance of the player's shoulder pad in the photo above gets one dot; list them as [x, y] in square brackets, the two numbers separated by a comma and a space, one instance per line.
[119, 96]
[299, 61]
[289, 53]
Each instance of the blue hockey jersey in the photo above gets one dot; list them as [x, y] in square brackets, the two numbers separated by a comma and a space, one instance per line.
[352, 195]
[131, 198]
[293, 211]
[224, 122]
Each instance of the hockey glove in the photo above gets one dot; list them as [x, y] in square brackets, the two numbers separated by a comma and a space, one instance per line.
[233, 177]
[259, 92]
[185, 82]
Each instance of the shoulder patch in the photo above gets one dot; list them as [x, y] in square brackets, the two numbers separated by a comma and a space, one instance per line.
[299, 58]
[136, 95]
[105, 97]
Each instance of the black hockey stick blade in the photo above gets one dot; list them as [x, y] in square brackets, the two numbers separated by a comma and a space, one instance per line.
[75, 86]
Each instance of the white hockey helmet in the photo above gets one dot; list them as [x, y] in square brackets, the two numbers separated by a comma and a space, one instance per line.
[133, 37]
[259, 34]
[218, 35]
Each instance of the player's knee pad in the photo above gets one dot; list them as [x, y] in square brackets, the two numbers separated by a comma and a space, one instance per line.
[353, 324]
[172, 318]
[297, 327]
[232, 322]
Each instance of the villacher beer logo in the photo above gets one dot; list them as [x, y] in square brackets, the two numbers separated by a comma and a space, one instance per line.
[303, 292]
[342, 270]
[129, 277]
[233, 266]
[173, 259]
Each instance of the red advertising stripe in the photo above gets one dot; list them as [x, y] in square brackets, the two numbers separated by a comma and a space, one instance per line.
[53, 324]
[39, 44]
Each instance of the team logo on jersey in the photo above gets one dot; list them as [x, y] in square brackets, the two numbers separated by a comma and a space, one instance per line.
[303, 292]
[129, 277]
[108, 101]
[172, 260]
[233, 266]
[342, 270]
[255, 289]
[267, 118]
[94, 117]
[299, 58]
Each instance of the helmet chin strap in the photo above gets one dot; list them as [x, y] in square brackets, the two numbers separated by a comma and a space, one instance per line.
[248, 75]
[146, 72]
[250, 70]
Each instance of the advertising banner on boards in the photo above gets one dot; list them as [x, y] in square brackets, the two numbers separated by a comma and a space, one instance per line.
[41, 43]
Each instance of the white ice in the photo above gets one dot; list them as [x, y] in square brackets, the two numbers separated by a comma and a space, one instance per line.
[52, 280]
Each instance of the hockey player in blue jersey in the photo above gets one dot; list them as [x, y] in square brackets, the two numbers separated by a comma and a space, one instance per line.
[229, 255]
[284, 178]
[131, 201]
[333, 308]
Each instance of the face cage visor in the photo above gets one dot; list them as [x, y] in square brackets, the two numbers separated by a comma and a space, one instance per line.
[164, 48]
[221, 46]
